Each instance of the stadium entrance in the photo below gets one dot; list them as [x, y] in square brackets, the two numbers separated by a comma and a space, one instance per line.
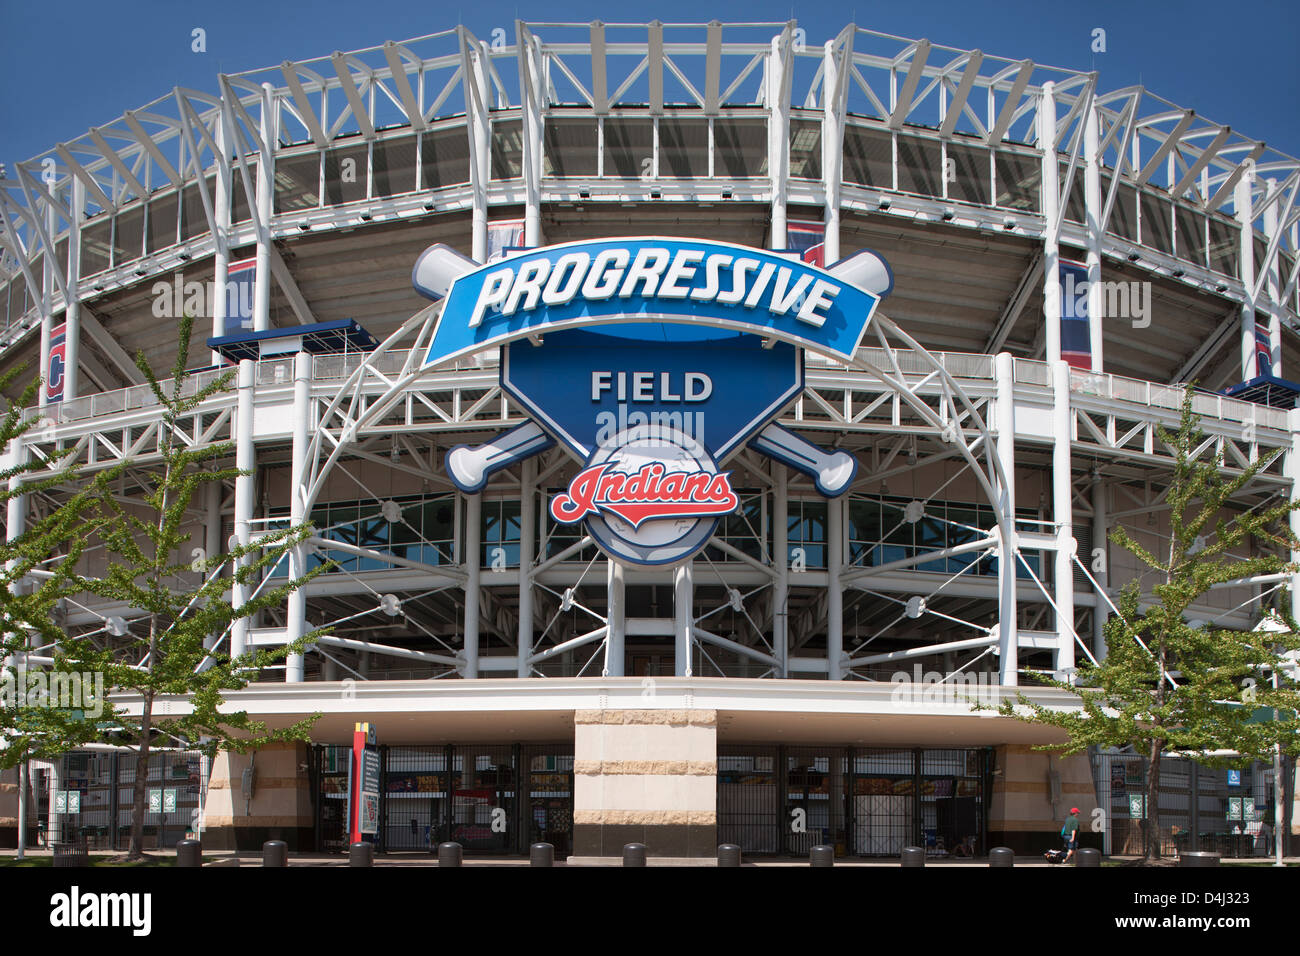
[864, 802]
[491, 799]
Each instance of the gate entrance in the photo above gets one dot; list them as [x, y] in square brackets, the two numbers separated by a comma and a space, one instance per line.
[488, 798]
[864, 802]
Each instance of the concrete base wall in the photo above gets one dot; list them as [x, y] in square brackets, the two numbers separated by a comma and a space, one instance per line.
[281, 807]
[1023, 816]
[645, 776]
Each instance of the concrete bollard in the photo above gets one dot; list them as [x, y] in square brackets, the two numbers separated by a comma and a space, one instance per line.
[541, 854]
[1087, 857]
[1200, 858]
[275, 853]
[634, 854]
[450, 854]
[912, 856]
[1001, 856]
[361, 854]
[189, 853]
[728, 855]
[821, 855]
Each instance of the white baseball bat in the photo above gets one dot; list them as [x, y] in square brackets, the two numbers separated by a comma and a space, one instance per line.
[469, 466]
[831, 472]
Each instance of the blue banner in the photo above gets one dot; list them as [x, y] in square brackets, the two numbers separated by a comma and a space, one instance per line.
[695, 282]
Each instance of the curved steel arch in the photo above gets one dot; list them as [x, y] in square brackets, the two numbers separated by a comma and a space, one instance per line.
[354, 407]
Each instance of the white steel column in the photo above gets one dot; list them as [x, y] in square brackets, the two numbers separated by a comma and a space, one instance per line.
[72, 314]
[1005, 421]
[1272, 287]
[531, 92]
[527, 540]
[834, 589]
[616, 618]
[1242, 201]
[473, 562]
[833, 83]
[296, 607]
[48, 265]
[1051, 188]
[245, 490]
[778, 137]
[15, 525]
[480, 139]
[265, 194]
[684, 618]
[781, 558]
[220, 240]
[1093, 204]
[1062, 514]
[1100, 572]
[212, 533]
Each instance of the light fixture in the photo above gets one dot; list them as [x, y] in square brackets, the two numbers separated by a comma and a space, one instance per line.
[726, 194]
[584, 192]
[1133, 257]
[656, 193]
[1179, 273]
[884, 202]
[949, 215]
[1008, 223]
[429, 206]
[365, 217]
[305, 226]
[183, 256]
[1221, 287]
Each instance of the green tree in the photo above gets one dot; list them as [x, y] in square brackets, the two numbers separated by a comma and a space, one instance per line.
[163, 654]
[1170, 684]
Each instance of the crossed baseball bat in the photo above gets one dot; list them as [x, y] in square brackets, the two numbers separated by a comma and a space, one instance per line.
[470, 466]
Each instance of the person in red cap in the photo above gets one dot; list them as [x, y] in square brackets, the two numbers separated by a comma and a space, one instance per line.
[1070, 834]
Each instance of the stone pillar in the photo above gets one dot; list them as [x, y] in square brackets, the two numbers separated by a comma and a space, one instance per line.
[1021, 813]
[280, 809]
[645, 776]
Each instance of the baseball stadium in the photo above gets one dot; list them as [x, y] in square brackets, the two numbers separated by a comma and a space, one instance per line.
[699, 421]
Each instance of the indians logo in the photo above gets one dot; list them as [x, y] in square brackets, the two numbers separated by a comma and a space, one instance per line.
[648, 495]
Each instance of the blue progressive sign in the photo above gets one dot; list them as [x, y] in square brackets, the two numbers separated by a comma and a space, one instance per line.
[690, 281]
[652, 361]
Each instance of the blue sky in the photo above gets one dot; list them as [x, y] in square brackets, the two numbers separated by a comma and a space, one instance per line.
[69, 65]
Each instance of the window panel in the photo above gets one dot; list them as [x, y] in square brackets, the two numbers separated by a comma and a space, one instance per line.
[1019, 177]
[970, 176]
[444, 158]
[394, 166]
[128, 236]
[629, 144]
[920, 166]
[739, 147]
[1156, 223]
[1191, 234]
[507, 149]
[868, 157]
[239, 209]
[572, 147]
[96, 237]
[345, 175]
[297, 182]
[194, 217]
[805, 149]
[683, 148]
[162, 221]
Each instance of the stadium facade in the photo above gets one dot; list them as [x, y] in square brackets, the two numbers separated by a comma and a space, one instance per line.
[1061, 261]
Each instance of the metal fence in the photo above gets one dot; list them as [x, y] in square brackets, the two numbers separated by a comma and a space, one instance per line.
[1224, 811]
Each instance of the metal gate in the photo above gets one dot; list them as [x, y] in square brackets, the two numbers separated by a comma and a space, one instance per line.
[468, 793]
[862, 801]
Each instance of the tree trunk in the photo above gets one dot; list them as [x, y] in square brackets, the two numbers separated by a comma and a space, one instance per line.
[1288, 802]
[138, 802]
[1153, 801]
